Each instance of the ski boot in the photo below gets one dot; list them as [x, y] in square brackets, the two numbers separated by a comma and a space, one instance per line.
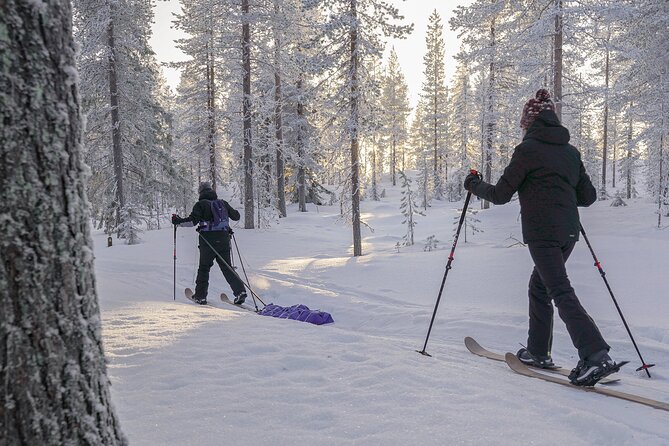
[240, 298]
[200, 300]
[590, 370]
[527, 358]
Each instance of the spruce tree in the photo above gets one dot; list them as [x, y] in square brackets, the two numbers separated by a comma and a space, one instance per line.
[396, 108]
[434, 97]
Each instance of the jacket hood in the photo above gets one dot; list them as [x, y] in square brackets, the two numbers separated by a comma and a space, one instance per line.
[547, 128]
[208, 194]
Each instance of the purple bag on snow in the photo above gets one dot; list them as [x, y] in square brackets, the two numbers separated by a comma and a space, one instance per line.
[298, 313]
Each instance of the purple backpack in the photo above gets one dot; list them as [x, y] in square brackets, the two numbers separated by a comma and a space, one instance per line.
[220, 220]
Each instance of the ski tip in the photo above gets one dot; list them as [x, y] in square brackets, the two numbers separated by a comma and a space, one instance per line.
[516, 364]
[472, 345]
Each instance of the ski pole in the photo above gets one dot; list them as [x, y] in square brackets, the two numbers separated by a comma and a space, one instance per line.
[448, 267]
[175, 261]
[644, 366]
[242, 263]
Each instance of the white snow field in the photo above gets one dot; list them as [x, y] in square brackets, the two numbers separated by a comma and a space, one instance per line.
[183, 374]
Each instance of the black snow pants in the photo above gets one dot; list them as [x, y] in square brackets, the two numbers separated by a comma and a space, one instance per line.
[220, 241]
[549, 282]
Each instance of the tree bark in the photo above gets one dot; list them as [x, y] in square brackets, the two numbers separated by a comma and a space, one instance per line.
[393, 161]
[301, 174]
[628, 167]
[55, 388]
[605, 137]
[375, 192]
[615, 152]
[355, 190]
[246, 115]
[557, 60]
[117, 150]
[490, 125]
[211, 111]
[278, 120]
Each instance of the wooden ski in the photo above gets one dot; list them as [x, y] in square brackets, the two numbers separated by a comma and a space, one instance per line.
[477, 349]
[517, 366]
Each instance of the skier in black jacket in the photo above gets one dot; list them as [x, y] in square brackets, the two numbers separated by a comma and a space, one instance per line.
[548, 174]
[218, 238]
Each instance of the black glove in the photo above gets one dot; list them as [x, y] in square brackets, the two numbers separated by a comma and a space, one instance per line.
[176, 220]
[472, 180]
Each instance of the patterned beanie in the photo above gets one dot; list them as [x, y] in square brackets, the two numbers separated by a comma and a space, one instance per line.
[204, 185]
[542, 101]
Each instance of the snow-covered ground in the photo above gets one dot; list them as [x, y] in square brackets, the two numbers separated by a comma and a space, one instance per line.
[189, 375]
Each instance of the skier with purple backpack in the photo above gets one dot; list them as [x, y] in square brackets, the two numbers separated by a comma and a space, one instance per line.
[212, 217]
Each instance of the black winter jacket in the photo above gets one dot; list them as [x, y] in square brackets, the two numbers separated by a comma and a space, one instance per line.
[202, 209]
[548, 174]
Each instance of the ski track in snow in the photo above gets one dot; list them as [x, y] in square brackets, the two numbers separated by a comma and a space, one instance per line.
[185, 374]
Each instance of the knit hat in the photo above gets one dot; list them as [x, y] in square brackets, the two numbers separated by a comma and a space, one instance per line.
[542, 101]
[203, 185]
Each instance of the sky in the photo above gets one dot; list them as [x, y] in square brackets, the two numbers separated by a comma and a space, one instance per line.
[410, 50]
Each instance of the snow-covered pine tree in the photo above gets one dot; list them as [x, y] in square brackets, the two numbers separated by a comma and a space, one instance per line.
[628, 164]
[127, 137]
[52, 366]
[353, 33]
[131, 224]
[408, 208]
[434, 102]
[373, 132]
[470, 224]
[424, 175]
[484, 28]
[643, 44]
[431, 243]
[460, 131]
[247, 163]
[198, 110]
[395, 105]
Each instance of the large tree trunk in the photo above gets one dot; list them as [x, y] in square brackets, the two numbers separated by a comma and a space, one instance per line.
[117, 150]
[278, 121]
[490, 125]
[246, 112]
[615, 151]
[557, 60]
[662, 188]
[355, 190]
[301, 174]
[375, 192]
[211, 111]
[628, 166]
[605, 137]
[55, 388]
[393, 161]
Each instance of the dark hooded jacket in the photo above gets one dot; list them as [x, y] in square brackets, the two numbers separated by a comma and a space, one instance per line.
[202, 209]
[548, 174]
